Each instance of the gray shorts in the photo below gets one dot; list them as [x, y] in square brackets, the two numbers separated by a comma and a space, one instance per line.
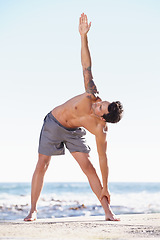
[54, 136]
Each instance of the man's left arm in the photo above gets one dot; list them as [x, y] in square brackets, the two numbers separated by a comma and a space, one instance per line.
[103, 162]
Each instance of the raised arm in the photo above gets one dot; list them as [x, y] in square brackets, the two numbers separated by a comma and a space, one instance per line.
[84, 27]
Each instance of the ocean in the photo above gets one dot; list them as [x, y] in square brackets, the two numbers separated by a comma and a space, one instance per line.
[76, 199]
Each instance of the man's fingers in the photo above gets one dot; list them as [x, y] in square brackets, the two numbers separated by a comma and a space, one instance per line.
[82, 17]
[80, 20]
[107, 196]
[85, 18]
[109, 199]
[101, 196]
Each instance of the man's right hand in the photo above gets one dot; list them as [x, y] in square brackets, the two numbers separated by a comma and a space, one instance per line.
[83, 24]
[105, 193]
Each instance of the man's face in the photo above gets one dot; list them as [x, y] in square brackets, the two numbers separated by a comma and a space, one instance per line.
[100, 108]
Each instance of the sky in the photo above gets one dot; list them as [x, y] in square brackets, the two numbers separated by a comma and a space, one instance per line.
[40, 68]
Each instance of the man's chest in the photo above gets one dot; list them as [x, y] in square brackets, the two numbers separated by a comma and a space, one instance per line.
[82, 108]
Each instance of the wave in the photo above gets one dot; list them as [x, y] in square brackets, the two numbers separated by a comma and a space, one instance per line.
[74, 199]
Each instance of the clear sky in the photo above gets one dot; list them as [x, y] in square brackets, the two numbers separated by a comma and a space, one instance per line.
[40, 68]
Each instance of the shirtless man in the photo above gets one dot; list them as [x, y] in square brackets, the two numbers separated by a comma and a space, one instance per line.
[65, 124]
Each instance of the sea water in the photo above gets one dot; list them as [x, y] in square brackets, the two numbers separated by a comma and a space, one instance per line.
[77, 199]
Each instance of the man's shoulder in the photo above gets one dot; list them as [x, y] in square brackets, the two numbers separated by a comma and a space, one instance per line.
[96, 127]
[101, 128]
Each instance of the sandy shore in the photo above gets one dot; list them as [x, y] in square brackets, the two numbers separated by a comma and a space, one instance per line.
[135, 226]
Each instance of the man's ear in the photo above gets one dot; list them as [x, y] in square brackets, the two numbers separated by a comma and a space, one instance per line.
[102, 119]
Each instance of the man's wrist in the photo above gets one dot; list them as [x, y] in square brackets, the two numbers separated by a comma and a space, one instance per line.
[84, 35]
[105, 185]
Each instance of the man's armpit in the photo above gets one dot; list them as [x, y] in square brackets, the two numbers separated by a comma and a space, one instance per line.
[90, 86]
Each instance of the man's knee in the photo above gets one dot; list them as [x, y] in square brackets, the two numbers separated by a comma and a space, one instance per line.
[43, 162]
[89, 168]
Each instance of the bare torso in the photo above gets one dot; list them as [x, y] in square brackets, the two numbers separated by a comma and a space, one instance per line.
[77, 112]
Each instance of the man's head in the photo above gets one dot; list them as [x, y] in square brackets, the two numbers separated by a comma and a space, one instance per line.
[109, 112]
[115, 110]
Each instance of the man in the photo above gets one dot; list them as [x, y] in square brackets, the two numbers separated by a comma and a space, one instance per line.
[63, 125]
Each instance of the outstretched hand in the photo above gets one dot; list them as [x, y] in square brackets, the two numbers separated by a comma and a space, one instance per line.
[105, 193]
[83, 24]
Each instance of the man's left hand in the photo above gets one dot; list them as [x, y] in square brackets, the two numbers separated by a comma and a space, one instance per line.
[105, 193]
[83, 25]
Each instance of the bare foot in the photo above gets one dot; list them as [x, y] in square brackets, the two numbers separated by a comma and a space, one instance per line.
[31, 217]
[111, 217]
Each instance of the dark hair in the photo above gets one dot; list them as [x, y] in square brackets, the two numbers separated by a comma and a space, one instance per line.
[115, 110]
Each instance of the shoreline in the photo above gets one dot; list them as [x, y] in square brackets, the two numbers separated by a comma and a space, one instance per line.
[131, 226]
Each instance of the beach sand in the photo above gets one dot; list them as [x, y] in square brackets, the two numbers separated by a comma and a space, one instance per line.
[135, 226]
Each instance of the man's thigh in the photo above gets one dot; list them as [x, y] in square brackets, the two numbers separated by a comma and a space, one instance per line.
[83, 159]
